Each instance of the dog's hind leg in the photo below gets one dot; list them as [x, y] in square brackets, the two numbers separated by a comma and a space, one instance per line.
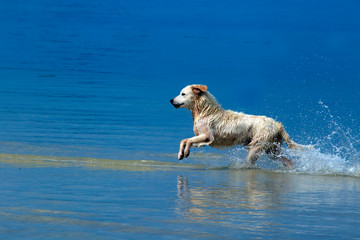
[286, 161]
[275, 153]
[253, 154]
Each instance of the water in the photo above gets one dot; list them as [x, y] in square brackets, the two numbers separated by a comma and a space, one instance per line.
[57, 198]
[88, 139]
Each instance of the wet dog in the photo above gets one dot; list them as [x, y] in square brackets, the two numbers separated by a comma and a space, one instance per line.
[221, 128]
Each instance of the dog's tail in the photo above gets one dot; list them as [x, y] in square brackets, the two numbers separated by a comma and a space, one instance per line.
[291, 144]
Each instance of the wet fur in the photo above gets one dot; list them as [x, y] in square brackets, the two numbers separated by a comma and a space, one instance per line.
[221, 128]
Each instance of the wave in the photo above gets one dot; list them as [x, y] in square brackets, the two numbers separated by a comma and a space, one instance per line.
[93, 163]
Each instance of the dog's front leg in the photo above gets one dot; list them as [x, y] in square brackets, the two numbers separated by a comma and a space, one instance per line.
[202, 138]
[181, 149]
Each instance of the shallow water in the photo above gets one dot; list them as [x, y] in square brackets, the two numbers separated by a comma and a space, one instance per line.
[88, 139]
[59, 198]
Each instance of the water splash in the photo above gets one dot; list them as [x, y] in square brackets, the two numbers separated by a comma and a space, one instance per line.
[341, 141]
[336, 153]
[315, 162]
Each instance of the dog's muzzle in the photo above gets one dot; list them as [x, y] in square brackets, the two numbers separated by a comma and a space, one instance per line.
[176, 105]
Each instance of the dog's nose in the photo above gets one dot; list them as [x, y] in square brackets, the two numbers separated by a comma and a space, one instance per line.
[172, 101]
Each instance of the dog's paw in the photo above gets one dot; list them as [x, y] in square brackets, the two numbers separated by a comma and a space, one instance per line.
[187, 153]
[180, 156]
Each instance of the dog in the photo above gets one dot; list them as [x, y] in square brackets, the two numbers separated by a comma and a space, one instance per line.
[219, 128]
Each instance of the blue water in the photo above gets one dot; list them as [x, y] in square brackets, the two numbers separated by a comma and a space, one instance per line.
[88, 137]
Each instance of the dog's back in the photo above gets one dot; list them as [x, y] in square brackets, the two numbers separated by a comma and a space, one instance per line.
[231, 128]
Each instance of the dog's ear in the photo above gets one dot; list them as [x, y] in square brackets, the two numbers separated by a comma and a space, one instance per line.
[198, 89]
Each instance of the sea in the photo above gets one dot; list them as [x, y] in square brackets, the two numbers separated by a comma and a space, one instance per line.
[89, 139]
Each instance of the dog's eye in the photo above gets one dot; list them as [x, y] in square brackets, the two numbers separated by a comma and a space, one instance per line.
[183, 94]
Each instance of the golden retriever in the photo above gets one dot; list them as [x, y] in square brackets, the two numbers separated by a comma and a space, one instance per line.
[220, 128]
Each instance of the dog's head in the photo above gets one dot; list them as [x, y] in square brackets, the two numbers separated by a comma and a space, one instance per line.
[187, 96]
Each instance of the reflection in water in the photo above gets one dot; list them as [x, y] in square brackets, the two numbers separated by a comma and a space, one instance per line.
[268, 203]
[244, 201]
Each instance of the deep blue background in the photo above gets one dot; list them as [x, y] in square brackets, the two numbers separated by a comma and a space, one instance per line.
[95, 77]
